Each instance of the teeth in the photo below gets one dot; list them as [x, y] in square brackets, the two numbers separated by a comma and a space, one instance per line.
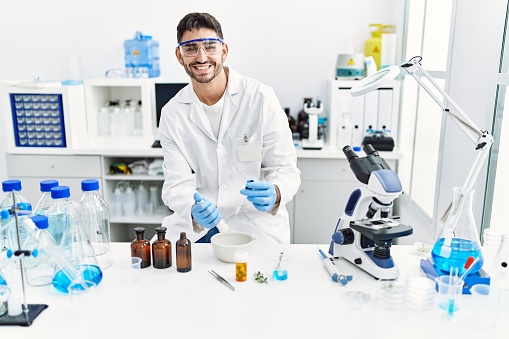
[202, 68]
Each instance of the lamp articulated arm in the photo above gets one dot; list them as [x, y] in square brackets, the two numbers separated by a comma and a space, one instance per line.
[482, 139]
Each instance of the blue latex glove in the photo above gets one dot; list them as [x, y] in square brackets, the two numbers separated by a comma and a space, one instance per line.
[261, 193]
[204, 212]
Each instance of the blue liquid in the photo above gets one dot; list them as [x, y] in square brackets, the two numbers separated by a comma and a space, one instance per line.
[280, 275]
[449, 306]
[90, 273]
[461, 250]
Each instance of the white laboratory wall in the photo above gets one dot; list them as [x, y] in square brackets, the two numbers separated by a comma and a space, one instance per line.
[289, 45]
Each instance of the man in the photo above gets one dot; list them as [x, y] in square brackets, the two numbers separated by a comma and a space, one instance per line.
[228, 149]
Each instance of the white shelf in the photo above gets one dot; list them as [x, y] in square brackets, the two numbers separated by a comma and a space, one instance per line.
[134, 177]
[140, 219]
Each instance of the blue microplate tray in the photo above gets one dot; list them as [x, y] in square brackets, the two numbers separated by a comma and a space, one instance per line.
[433, 272]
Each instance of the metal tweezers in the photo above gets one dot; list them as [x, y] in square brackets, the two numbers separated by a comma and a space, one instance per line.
[221, 279]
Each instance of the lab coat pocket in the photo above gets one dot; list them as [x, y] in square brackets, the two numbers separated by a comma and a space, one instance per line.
[247, 152]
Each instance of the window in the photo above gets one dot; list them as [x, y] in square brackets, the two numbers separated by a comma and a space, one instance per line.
[428, 29]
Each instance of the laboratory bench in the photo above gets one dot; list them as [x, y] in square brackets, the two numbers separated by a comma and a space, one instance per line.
[131, 303]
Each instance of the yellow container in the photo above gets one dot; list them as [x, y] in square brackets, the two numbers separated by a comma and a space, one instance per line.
[373, 46]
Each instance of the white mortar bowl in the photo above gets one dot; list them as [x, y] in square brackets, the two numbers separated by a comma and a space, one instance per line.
[226, 244]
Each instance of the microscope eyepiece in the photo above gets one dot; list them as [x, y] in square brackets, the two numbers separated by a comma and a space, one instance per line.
[369, 150]
[350, 153]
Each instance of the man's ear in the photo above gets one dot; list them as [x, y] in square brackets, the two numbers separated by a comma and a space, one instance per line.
[224, 53]
[179, 56]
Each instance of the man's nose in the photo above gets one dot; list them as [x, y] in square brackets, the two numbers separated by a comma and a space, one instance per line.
[202, 55]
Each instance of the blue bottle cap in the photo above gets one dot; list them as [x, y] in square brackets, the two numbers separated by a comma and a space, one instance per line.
[46, 185]
[41, 221]
[4, 214]
[24, 206]
[90, 185]
[11, 185]
[60, 192]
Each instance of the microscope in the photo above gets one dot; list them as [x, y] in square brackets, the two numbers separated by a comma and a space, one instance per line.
[312, 110]
[364, 234]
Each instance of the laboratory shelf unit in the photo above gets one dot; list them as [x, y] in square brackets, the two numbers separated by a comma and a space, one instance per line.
[136, 127]
[122, 225]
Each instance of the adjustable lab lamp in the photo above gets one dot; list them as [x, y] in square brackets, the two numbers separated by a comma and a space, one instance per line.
[482, 140]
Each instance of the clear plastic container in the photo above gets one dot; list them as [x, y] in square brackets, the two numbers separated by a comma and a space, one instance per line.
[11, 188]
[57, 212]
[98, 226]
[142, 56]
[41, 208]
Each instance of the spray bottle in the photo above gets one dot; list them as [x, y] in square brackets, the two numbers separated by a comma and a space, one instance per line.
[373, 46]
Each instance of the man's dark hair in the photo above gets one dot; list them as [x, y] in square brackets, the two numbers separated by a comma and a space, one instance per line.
[196, 21]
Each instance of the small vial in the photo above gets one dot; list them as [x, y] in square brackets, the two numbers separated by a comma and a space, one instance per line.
[140, 247]
[184, 262]
[161, 249]
[241, 258]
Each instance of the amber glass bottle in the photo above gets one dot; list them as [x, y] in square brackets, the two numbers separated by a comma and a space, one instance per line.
[140, 247]
[161, 249]
[183, 253]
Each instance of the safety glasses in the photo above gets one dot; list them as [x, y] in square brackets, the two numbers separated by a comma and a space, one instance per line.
[210, 46]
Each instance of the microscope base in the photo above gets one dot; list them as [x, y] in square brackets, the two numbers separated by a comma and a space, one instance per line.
[363, 258]
[434, 272]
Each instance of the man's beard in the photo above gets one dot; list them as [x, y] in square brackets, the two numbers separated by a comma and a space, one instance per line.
[205, 78]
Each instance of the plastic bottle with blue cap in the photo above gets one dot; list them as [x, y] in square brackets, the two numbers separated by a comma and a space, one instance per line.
[41, 208]
[24, 210]
[5, 216]
[11, 188]
[57, 212]
[98, 226]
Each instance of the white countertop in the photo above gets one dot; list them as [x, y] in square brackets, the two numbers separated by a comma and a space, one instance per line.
[328, 152]
[141, 150]
[165, 303]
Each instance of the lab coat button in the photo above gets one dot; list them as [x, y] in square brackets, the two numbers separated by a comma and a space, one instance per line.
[224, 187]
[219, 146]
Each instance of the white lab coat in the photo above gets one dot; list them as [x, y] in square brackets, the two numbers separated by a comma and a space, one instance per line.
[254, 142]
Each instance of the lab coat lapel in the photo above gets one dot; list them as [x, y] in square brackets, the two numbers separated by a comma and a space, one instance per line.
[198, 116]
[231, 102]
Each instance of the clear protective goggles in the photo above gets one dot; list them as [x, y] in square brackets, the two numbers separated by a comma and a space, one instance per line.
[210, 46]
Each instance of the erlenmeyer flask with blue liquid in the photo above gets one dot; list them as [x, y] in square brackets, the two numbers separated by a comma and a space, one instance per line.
[458, 239]
[80, 275]
[77, 249]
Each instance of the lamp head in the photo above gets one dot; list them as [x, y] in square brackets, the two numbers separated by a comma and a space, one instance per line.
[380, 79]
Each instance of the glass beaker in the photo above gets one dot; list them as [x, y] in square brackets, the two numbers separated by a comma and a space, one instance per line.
[458, 240]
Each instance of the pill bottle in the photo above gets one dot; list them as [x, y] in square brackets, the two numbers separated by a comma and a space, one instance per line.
[240, 258]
